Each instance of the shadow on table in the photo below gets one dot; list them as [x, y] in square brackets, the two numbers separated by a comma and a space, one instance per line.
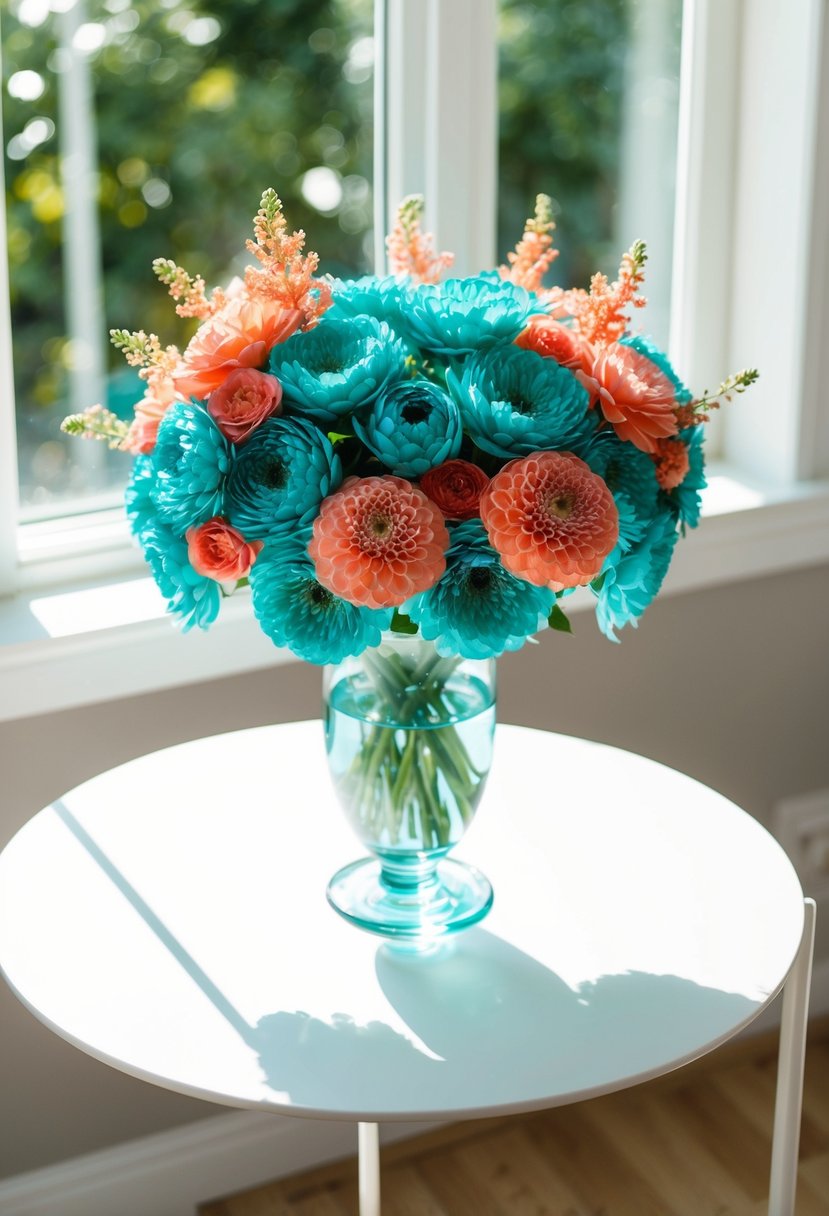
[490, 1025]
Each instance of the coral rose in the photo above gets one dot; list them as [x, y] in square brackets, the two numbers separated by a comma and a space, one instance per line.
[556, 341]
[634, 395]
[216, 550]
[551, 518]
[456, 487]
[241, 334]
[243, 402]
[377, 541]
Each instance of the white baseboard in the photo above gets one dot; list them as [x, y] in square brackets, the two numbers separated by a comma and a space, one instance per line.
[170, 1174]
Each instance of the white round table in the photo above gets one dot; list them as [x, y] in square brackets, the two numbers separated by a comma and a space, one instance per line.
[169, 917]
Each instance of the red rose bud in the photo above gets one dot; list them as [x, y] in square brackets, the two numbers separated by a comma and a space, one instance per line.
[243, 402]
[456, 487]
[217, 551]
[552, 340]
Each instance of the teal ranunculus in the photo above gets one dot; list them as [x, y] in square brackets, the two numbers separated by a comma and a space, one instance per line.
[138, 496]
[478, 609]
[279, 477]
[461, 316]
[337, 367]
[626, 588]
[685, 500]
[190, 461]
[368, 296]
[514, 402]
[294, 610]
[412, 427]
[195, 600]
[647, 348]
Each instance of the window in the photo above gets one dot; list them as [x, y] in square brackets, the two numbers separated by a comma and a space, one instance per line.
[479, 104]
[132, 130]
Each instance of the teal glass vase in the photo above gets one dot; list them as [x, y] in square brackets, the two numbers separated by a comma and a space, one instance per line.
[409, 737]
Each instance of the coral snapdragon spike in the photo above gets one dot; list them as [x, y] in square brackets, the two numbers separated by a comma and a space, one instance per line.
[285, 274]
[534, 254]
[99, 423]
[411, 251]
[698, 411]
[189, 294]
[601, 314]
[144, 351]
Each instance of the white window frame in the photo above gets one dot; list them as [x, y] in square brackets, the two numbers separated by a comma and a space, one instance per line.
[750, 287]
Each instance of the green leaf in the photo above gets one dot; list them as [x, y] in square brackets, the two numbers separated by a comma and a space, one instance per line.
[400, 623]
[559, 620]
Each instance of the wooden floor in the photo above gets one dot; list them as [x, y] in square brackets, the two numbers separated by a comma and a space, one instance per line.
[695, 1143]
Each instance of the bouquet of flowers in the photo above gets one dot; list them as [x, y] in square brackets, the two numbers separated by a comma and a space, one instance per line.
[403, 453]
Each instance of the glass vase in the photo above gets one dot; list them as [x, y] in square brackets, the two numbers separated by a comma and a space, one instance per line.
[409, 737]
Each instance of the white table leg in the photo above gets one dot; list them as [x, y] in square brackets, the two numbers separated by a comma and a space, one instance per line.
[368, 1145]
[789, 1100]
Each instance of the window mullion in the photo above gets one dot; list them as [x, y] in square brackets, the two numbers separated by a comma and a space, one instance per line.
[462, 129]
[8, 430]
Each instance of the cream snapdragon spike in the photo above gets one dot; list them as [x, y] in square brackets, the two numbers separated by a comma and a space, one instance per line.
[409, 452]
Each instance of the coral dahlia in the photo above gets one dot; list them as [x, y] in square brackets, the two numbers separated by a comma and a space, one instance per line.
[634, 395]
[377, 541]
[552, 520]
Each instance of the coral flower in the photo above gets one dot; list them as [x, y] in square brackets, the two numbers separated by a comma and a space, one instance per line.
[377, 541]
[552, 520]
[240, 334]
[556, 341]
[634, 395]
[672, 463]
[160, 394]
[217, 551]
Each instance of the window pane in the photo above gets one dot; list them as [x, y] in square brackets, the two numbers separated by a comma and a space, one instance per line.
[136, 129]
[588, 103]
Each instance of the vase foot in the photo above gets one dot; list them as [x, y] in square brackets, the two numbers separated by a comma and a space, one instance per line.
[459, 898]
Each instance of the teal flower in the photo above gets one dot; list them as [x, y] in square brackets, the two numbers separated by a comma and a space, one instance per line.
[630, 475]
[294, 610]
[190, 596]
[368, 296]
[465, 315]
[514, 402]
[337, 367]
[646, 347]
[685, 500]
[625, 589]
[190, 461]
[412, 427]
[138, 496]
[279, 477]
[478, 609]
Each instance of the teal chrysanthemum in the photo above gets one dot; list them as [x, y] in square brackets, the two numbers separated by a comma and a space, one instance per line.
[279, 477]
[630, 475]
[190, 461]
[514, 402]
[337, 367]
[465, 315]
[138, 496]
[192, 598]
[478, 609]
[647, 348]
[294, 610]
[412, 427]
[626, 588]
[367, 296]
[685, 500]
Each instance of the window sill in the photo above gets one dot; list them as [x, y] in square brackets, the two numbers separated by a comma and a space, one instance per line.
[83, 643]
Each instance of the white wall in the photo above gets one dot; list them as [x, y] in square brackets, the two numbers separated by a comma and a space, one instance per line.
[729, 685]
